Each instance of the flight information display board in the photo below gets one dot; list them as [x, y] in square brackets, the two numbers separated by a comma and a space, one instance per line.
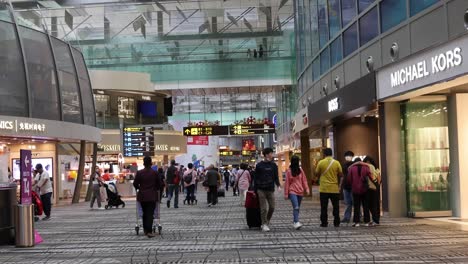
[138, 141]
[255, 129]
[206, 131]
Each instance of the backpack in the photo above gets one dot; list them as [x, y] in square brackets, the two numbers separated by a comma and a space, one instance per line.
[188, 178]
[177, 177]
[365, 180]
[266, 178]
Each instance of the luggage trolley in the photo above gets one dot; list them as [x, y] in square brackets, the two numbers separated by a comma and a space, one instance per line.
[139, 215]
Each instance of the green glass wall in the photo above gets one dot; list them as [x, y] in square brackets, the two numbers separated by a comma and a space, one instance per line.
[426, 142]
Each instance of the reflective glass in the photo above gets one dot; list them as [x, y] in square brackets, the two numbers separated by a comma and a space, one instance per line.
[334, 17]
[336, 52]
[417, 6]
[323, 22]
[363, 4]
[314, 27]
[392, 13]
[316, 69]
[71, 104]
[41, 71]
[350, 40]
[4, 13]
[13, 91]
[348, 11]
[308, 39]
[368, 26]
[89, 113]
[325, 60]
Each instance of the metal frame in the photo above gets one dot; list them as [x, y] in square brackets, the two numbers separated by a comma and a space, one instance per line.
[59, 91]
[77, 82]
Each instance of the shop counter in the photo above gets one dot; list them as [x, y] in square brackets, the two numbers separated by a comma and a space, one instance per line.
[126, 189]
[8, 203]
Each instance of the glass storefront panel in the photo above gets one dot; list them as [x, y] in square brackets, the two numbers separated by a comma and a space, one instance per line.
[392, 13]
[348, 11]
[417, 6]
[368, 26]
[426, 142]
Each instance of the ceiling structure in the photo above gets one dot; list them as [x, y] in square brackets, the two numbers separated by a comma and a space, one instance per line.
[180, 41]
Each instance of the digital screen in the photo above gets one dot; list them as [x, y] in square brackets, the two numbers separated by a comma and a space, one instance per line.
[254, 129]
[206, 131]
[138, 141]
[47, 164]
[147, 108]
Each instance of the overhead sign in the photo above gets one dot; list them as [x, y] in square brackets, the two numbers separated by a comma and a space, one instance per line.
[198, 140]
[427, 68]
[206, 131]
[138, 141]
[252, 129]
[25, 177]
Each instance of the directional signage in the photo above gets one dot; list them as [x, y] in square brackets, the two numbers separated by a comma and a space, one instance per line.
[138, 141]
[206, 131]
[252, 129]
[25, 177]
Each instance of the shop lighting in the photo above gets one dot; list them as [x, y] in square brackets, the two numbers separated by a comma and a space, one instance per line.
[465, 18]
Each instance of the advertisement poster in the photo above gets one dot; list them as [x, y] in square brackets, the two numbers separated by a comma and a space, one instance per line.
[47, 164]
[248, 144]
[25, 177]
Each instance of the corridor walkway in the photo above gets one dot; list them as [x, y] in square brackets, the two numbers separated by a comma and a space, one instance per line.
[200, 234]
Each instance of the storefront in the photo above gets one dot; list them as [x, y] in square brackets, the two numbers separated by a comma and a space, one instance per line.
[45, 139]
[424, 131]
[345, 119]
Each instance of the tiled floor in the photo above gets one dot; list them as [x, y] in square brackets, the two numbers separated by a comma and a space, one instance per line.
[219, 235]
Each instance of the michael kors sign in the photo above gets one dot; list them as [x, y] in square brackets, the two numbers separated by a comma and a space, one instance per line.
[432, 66]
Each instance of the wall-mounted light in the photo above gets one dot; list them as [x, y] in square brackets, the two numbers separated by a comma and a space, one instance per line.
[324, 91]
[370, 64]
[466, 19]
[336, 82]
[394, 51]
[304, 103]
[309, 99]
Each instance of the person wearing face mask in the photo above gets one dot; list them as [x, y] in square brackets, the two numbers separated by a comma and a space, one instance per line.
[346, 188]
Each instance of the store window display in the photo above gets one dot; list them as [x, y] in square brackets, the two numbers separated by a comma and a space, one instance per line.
[426, 141]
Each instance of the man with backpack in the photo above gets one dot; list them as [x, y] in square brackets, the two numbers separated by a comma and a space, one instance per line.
[172, 183]
[190, 179]
[330, 173]
[265, 178]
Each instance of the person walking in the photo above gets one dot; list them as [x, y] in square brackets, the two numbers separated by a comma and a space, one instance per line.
[97, 182]
[346, 188]
[260, 51]
[172, 185]
[243, 180]
[148, 184]
[232, 182]
[330, 173]
[266, 176]
[44, 184]
[213, 180]
[373, 194]
[294, 188]
[358, 175]
[190, 179]
[227, 177]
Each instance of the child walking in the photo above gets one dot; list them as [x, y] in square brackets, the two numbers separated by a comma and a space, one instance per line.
[295, 186]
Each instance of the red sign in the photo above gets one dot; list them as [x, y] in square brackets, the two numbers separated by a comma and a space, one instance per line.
[198, 140]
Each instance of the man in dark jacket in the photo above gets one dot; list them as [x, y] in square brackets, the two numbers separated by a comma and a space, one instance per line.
[213, 179]
[265, 178]
[172, 184]
[148, 184]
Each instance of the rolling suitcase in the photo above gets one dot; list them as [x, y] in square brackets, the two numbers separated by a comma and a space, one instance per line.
[252, 210]
[221, 192]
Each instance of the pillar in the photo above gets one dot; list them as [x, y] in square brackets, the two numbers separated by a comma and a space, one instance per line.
[458, 142]
[305, 157]
[79, 180]
[393, 174]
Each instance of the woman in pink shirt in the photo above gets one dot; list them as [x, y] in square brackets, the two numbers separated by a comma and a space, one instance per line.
[294, 188]
[243, 180]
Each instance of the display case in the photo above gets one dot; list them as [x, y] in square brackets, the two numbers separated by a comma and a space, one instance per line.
[426, 140]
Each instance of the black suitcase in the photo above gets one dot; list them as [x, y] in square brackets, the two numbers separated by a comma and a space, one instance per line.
[221, 192]
[253, 217]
